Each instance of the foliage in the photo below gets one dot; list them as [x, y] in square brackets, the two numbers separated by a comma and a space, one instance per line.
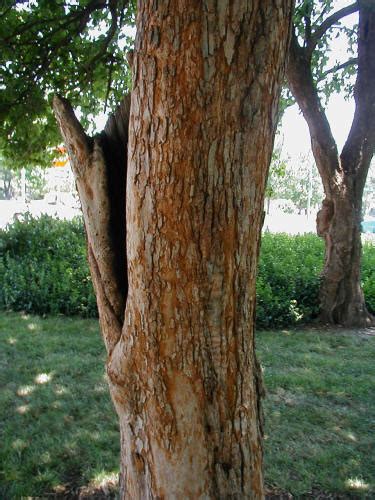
[43, 267]
[300, 183]
[368, 201]
[368, 276]
[275, 180]
[7, 187]
[288, 279]
[318, 408]
[10, 183]
[303, 185]
[77, 49]
[43, 270]
[330, 75]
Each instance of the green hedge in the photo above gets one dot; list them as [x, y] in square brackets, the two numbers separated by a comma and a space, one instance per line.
[288, 279]
[43, 270]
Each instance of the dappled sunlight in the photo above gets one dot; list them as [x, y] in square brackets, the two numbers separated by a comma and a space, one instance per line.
[95, 435]
[43, 378]
[25, 390]
[23, 409]
[103, 485]
[351, 436]
[32, 327]
[58, 425]
[25, 317]
[357, 484]
[60, 489]
[288, 398]
[104, 478]
[60, 390]
[100, 388]
[45, 457]
[19, 444]
[348, 435]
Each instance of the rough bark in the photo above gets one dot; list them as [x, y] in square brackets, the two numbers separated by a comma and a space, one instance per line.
[182, 367]
[343, 176]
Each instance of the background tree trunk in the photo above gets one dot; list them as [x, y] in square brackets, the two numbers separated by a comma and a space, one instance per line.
[343, 176]
[342, 300]
[182, 367]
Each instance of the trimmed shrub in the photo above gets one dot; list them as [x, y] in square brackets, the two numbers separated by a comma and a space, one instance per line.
[288, 279]
[43, 270]
[43, 267]
[368, 275]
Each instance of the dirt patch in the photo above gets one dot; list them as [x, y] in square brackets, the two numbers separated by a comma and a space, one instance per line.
[107, 491]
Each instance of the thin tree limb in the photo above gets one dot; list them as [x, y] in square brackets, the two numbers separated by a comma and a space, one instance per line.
[83, 15]
[350, 62]
[359, 147]
[110, 33]
[328, 23]
[301, 84]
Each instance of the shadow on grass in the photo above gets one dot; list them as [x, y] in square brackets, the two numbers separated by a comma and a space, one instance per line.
[58, 432]
[320, 412]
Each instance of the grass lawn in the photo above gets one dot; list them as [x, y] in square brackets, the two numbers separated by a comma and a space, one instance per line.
[59, 433]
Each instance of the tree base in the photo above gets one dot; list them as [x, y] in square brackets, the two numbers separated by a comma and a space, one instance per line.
[360, 320]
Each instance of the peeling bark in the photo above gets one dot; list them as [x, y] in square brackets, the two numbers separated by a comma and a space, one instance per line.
[182, 367]
[343, 176]
[99, 166]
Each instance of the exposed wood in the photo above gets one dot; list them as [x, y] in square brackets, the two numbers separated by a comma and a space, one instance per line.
[99, 165]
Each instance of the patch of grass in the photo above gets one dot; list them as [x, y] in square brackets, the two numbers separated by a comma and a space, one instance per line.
[320, 411]
[59, 433]
[58, 430]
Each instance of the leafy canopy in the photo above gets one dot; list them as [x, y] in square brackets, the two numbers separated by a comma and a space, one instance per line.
[76, 48]
[322, 27]
[318, 24]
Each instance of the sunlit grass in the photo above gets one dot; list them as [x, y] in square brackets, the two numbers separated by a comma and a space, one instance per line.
[58, 430]
[59, 433]
[320, 411]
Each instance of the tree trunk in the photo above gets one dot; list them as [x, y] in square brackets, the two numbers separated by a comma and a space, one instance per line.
[339, 223]
[343, 176]
[182, 369]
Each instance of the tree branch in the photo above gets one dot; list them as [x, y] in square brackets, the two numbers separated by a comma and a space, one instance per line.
[82, 15]
[110, 34]
[359, 147]
[349, 62]
[78, 144]
[301, 84]
[99, 165]
[326, 25]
